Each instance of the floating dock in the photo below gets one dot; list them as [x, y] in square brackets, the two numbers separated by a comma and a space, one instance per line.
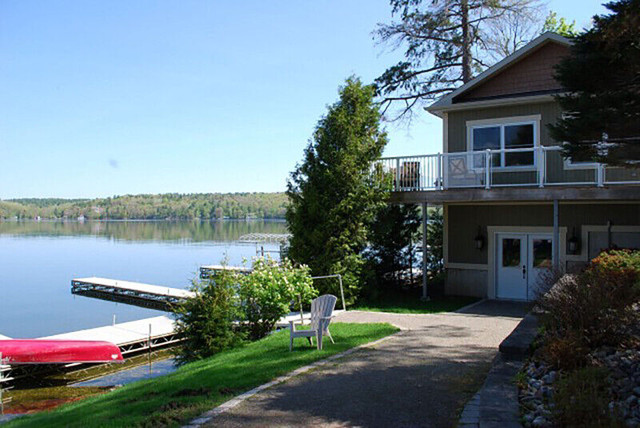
[132, 293]
[210, 271]
[131, 337]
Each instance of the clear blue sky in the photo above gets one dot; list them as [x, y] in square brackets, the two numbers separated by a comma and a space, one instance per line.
[99, 98]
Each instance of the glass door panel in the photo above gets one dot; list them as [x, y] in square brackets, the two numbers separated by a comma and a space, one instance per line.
[511, 266]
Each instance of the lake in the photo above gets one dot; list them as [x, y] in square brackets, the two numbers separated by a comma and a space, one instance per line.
[38, 260]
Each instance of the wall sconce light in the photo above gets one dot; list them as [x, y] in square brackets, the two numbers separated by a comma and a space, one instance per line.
[573, 243]
[479, 239]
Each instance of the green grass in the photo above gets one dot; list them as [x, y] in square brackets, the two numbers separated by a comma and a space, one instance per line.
[408, 302]
[197, 387]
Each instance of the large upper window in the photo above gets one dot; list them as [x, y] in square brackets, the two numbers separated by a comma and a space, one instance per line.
[507, 135]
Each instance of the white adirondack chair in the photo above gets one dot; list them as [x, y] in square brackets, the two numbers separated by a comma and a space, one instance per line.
[321, 314]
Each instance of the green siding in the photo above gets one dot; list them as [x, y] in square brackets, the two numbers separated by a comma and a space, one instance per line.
[549, 112]
[463, 222]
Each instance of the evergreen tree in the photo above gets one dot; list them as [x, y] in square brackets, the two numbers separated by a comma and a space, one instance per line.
[435, 239]
[602, 81]
[334, 194]
[394, 236]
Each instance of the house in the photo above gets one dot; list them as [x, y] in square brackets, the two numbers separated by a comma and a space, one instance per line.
[513, 206]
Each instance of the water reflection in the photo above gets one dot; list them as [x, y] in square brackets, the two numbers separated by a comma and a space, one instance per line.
[191, 231]
[38, 260]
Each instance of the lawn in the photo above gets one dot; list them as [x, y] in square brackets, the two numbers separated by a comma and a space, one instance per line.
[408, 302]
[195, 388]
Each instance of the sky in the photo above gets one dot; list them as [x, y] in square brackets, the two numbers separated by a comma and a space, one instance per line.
[103, 98]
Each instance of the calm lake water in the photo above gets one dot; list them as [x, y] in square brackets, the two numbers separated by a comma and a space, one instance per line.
[38, 260]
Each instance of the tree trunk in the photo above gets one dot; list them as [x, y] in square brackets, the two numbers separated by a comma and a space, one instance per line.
[466, 41]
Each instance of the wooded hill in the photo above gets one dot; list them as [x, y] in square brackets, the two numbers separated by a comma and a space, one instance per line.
[171, 206]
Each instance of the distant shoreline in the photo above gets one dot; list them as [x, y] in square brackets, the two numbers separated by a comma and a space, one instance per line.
[163, 207]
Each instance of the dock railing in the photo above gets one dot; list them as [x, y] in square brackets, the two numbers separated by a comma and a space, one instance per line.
[518, 167]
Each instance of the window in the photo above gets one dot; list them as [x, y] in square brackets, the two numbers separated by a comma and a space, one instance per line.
[514, 133]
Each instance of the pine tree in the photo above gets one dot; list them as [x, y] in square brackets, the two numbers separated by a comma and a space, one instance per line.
[447, 41]
[334, 193]
[602, 81]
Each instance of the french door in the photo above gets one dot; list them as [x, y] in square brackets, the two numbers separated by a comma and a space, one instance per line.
[521, 260]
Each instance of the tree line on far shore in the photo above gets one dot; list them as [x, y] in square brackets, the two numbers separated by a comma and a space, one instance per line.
[171, 206]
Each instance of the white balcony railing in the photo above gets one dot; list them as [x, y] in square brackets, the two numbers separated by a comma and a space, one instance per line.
[539, 166]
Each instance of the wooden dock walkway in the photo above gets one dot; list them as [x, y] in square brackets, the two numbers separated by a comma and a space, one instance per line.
[132, 293]
[131, 337]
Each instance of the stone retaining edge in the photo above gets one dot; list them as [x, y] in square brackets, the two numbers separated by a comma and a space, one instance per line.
[496, 403]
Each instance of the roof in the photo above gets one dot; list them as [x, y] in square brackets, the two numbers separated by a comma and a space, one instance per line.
[446, 102]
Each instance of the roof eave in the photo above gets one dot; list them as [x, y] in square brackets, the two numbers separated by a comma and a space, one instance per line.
[444, 102]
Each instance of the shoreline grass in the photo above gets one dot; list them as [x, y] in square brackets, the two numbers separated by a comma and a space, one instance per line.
[176, 398]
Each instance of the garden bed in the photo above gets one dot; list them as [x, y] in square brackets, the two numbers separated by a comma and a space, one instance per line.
[585, 370]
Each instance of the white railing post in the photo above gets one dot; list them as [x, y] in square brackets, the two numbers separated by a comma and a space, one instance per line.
[439, 178]
[487, 172]
[542, 165]
[397, 186]
[445, 170]
[600, 175]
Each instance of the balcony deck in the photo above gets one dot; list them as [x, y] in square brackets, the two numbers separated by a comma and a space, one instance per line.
[531, 174]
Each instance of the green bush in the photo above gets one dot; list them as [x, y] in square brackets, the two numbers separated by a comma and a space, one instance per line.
[208, 320]
[582, 399]
[270, 291]
[591, 309]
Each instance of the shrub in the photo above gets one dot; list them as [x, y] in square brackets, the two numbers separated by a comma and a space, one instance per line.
[207, 321]
[591, 309]
[566, 352]
[618, 268]
[582, 399]
[268, 293]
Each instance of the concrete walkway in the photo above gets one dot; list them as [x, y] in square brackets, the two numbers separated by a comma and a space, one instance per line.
[422, 376]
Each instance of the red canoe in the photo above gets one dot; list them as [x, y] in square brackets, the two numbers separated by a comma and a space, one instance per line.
[35, 351]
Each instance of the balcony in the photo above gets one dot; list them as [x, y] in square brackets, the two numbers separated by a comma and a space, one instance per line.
[539, 167]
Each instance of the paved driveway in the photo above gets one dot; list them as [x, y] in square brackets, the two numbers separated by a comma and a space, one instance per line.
[422, 376]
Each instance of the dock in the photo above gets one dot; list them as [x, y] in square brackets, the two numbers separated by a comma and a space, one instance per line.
[132, 293]
[210, 271]
[131, 337]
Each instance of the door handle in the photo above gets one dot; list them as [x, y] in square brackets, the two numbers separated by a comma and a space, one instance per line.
[524, 271]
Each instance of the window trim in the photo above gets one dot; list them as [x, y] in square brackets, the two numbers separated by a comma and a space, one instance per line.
[502, 122]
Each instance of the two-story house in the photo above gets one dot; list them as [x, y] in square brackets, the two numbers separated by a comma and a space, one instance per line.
[513, 206]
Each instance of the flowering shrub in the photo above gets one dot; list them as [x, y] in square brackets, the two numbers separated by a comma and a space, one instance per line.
[617, 267]
[269, 292]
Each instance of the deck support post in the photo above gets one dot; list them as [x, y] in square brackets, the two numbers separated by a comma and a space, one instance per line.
[425, 218]
[556, 235]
